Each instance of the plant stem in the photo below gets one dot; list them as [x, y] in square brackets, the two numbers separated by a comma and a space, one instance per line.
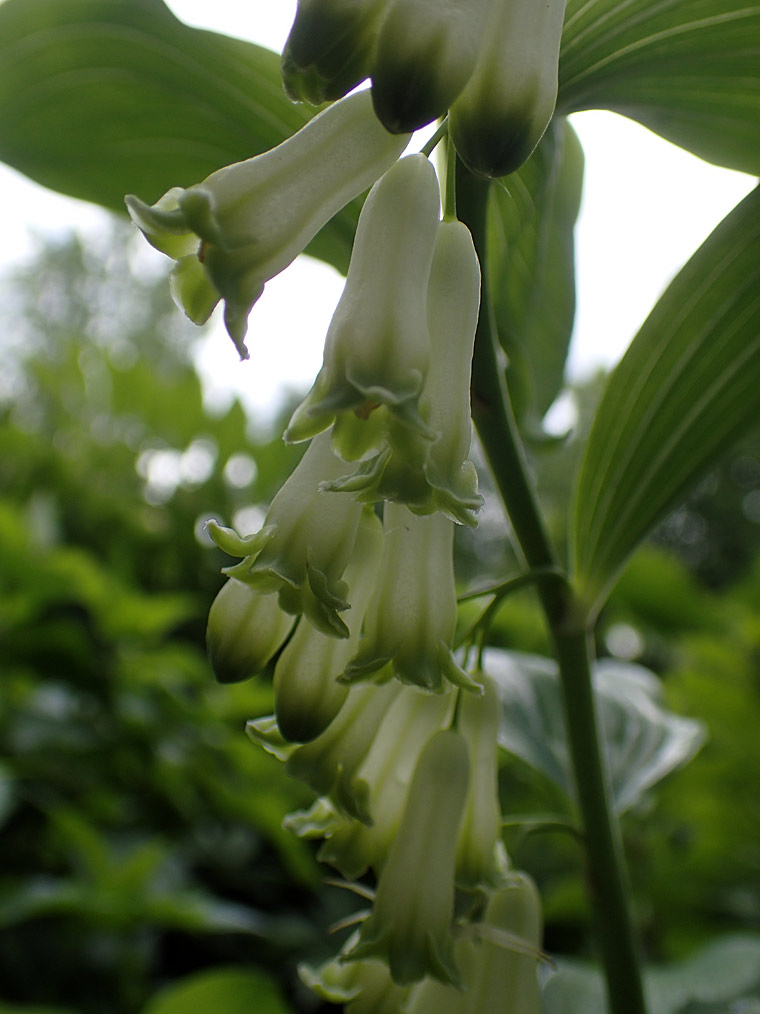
[494, 421]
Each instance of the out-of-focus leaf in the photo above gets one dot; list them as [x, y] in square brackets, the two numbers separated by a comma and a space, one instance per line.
[723, 977]
[686, 69]
[531, 261]
[223, 991]
[99, 98]
[685, 390]
[643, 742]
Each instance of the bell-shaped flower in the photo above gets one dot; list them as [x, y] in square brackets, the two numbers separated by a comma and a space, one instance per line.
[387, 770]
[507, 104]
[307, 694]
[424, 56]
[365, 987]
[245, 629]
[500, 965]
[410, 621]
[246, 222]
[329, 47]
[481, 858]
[447, 480]
[410, 926]
[377, 348]
[305, 544]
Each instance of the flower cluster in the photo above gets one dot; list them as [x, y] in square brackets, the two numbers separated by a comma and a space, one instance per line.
[346, 593]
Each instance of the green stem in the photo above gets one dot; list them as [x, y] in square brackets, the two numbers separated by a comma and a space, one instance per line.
[494, 421]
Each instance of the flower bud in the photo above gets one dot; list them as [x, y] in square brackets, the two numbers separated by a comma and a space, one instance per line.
[305, 544]
[377, 347]
[411, 919]
[307, 694]
[507, 104]
[446, 480]
[425, 54]
[410, 621]
[246, 222]
[244, 631]
[329, 47]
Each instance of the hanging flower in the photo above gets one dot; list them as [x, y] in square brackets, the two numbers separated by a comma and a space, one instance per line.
[305, 544]
[245, 629]
[507, 104]
[410, 926]
[246, 222]
[424, 56]
[307, 694]
[377, 348]
[410, 621]
[365, 987]
[446, 480]
[329, 47]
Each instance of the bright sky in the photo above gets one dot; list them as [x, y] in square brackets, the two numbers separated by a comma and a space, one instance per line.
[647, 206]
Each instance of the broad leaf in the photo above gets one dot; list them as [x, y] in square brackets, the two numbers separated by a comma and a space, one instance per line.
[643, 742]
[724, 976]
[687, 69]
[532, 270]
[99, 98]
[223, 991]
[685, 390]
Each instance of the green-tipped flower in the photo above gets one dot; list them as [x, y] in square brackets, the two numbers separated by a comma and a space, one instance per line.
[243, 224]
[366, 987]
[411, 618]
[307, 694]
[481, 858]
[245, 630]
[447, 480]
[509, 100]
[304, 546]
[500, 967]
[410, 925]
[377, 348]
[329, 48]
[425, 54]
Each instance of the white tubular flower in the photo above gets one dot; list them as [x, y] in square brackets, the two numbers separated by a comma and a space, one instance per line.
[365, 987]
[377, 348]
[387, 770]
[481, 858]
[305, 544]
[500, 967]
[244, 631]
[411, 618]
[307, 694]
[507, 104]
[329, 47]
[410, 925]
[447, 481]
[245, 223]
[425, 53]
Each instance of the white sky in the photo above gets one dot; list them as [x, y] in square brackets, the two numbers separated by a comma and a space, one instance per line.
[647, 206]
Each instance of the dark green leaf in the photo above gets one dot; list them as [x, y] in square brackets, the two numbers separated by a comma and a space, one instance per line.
[103, 97]
[643, 742]
[531, 261]
[223, 991]
[684, 391]
[687, 69]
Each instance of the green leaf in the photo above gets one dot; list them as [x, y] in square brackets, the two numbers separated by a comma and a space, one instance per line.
[223, 991]
[685, 390]
[532, 270]
[686, 69]
[643, 742]
[724, 976]
[99, 98]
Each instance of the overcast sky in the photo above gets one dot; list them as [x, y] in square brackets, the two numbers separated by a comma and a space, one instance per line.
[647, 206]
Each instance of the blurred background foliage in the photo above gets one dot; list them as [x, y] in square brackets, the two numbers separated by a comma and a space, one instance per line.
[141, 831]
